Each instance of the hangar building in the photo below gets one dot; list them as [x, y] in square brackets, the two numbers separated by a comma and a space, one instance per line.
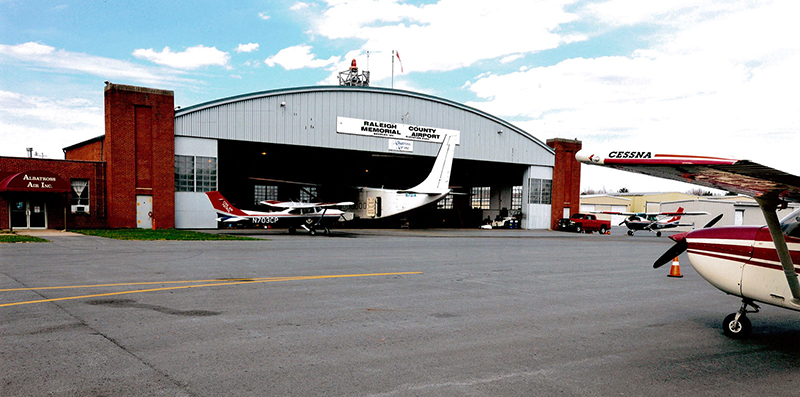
[155, 162]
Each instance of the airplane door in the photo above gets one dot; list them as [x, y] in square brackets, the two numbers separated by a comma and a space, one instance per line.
[144, 212]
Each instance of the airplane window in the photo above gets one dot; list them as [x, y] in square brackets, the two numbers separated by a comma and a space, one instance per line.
[791, 224]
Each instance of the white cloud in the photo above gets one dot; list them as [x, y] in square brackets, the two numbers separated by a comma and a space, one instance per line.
[299, 6]
[192, 58]
[449, 34]
[713, 87]
[46, 124]
[250, 47]
[263, 15]
[44, 57]
[299, 57]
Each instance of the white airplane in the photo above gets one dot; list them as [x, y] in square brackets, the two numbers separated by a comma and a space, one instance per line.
[653, 220]
[756, 263]
[293, 215]
[376, 203]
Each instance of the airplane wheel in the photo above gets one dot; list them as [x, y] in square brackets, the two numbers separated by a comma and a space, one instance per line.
[312, 232]
[737, 330]
[630, 232]
[658, 234]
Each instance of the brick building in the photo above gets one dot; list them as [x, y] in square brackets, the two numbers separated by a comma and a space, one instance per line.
[123, 179]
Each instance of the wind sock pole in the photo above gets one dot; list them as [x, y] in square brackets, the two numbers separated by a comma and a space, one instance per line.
[392, 68]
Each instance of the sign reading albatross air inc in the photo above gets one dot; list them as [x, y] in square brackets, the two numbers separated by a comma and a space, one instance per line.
[346, 125]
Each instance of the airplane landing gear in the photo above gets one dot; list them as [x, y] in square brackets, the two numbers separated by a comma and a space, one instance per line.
[630, 232]
[658, 234]
[737, 325]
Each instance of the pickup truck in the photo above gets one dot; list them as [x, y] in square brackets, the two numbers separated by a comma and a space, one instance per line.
[584, 223]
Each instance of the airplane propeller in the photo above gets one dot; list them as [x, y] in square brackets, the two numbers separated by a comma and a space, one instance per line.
[680, 245]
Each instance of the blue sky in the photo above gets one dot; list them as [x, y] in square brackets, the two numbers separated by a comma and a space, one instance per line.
[685, 76]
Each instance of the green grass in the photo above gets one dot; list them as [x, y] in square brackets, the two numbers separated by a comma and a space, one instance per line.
[159, 234]
[16, 238]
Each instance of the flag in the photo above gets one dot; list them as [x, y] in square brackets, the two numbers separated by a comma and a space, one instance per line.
[401, 62]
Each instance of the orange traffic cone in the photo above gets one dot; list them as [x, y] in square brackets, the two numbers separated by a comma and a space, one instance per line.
[675, 270]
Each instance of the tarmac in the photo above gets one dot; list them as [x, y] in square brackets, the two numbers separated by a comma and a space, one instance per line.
[377, 313]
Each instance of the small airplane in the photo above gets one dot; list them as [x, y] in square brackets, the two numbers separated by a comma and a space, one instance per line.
[653, 220]
[294, 215]
[376, 203]
[756, 263]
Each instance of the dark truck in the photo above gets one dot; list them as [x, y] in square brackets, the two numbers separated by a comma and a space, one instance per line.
[584, 223]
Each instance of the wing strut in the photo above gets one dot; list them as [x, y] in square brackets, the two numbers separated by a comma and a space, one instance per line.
[768, 207]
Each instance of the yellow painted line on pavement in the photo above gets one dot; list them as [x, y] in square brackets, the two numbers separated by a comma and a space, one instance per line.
[138, 283]
[248, 281]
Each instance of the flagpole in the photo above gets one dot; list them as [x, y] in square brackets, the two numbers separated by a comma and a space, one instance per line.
[392, 69]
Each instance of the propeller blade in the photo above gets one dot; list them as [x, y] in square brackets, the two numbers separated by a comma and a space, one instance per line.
[671, 253]
[713, 221]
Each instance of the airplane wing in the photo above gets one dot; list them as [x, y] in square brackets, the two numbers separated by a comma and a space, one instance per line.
[738, 176]
[294, 204]
[434, 193]
[339, 204]
[771, 188]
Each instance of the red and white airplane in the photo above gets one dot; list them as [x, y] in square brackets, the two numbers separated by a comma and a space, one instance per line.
[758, 264]
[293, 215]
[653, 220]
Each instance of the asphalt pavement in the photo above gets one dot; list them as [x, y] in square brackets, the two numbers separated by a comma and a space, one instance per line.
[377, 313]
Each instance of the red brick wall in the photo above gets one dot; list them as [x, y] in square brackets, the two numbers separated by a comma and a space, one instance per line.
[566, 179]
[90, 152]
[58, 202]
[140, 152]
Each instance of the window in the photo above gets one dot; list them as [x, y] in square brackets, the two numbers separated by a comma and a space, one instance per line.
[184, 173]
[195, 173]
[259, 193]
[446, 203]
[308, 193]
[540, 191]
[516, 197]
[480, 198]
[206, 172]
[79, 196]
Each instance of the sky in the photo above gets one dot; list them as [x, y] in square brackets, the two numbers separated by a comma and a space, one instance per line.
[710, 77]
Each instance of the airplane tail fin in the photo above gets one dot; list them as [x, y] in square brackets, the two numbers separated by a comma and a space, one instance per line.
[222, 205]
[438, 181]
[677, 217]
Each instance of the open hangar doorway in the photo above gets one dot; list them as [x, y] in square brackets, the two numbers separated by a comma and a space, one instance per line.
[252, 171]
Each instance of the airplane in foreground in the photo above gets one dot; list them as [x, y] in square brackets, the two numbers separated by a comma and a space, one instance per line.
[651, 221]
[756, 263]
[293, 215]
[376, 203]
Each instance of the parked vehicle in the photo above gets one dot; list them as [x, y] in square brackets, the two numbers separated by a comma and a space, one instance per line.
[581, 223]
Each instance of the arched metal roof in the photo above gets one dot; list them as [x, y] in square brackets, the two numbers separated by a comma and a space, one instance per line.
[306, 116]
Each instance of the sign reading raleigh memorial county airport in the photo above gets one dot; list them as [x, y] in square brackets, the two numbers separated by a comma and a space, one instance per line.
[346, 125]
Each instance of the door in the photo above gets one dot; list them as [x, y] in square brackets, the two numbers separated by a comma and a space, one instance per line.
[19, 214]
[738, 218]
[28, 214]
[37, 214]
[144, 212]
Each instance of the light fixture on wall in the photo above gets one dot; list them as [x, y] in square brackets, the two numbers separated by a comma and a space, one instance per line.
[283, 104]
[500, 131]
